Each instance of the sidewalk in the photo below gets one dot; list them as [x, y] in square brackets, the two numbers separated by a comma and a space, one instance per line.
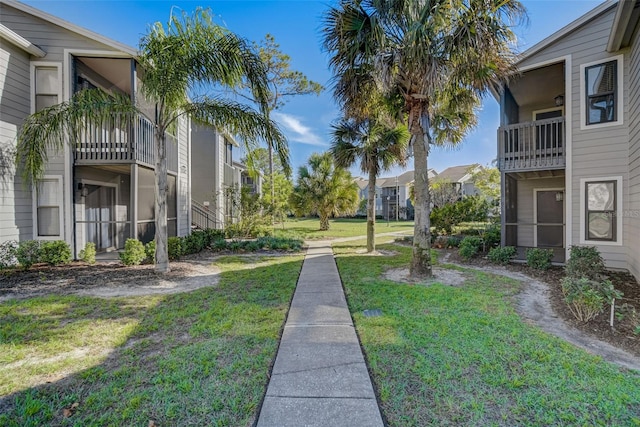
[319, 377]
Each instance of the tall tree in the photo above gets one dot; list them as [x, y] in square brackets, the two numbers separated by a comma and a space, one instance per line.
[440, 55]
[377, 147]
[324, 189]
[284, 83]
[191, 52]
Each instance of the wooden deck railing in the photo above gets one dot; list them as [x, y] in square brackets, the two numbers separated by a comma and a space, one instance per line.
[532, 146]
[120, 139]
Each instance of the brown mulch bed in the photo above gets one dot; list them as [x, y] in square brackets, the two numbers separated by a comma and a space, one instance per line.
[625, 333]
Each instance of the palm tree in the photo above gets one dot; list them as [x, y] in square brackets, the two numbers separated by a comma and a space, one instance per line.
[324, 189]
[191, 53]
[377, 147]
[440, 55]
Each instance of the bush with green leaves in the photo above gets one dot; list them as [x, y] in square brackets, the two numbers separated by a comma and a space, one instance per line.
[55, 252]
[587, 298]
[469, 247]
[194, 242]
[539, 258]
[585, 261]
[280, 243]
[133, 253]
[453, 242]
[175, 248]
[470, 208]
[213, 234]
[491, 236]
[8, 251]
[28, 253]
[150, 251]
[88, 254]
[502, 255]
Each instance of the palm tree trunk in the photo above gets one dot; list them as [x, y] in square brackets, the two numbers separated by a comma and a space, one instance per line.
[324, 222]
[371, 212]
[421, 260]
[162, 255]
[273, 190]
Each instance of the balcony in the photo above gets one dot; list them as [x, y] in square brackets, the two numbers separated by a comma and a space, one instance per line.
[122, 140]
[532, 146]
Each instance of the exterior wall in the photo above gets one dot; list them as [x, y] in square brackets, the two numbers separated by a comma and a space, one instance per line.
[183, 190]
[632, 220]
[600, 152]
[207, 168]
[525, 197]
[16, 218]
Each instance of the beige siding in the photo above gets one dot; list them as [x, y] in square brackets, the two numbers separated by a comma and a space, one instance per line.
[526, 205]
[15, 201]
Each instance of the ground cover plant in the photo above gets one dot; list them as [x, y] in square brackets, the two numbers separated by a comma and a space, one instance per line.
[194, 358]
[443, 355]
[307, 228]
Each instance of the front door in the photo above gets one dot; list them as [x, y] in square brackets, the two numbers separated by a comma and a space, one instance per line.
[550, 218]
[100, 216]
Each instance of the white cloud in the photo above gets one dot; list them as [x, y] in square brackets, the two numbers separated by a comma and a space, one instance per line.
[297, 131]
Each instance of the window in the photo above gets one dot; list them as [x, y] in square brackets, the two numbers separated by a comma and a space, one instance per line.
[600, 210]
[46, 87]
[601, 93]
[48, 207]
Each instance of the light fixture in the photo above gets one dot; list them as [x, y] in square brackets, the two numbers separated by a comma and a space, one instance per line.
[559, 196]
[559, 100]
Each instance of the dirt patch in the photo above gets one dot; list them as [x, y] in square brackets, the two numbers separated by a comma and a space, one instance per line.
[112, 279]
[541, 303]
[379, 252]
[444, 276]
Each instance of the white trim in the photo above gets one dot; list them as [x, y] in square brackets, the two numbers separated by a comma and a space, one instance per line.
[33, 65]
[619, 93]
[566, 30]
[24, 44]
[547, 110]
[69, 26]
[619, 218]
[568, 168]
[34, 209]
[535, 212]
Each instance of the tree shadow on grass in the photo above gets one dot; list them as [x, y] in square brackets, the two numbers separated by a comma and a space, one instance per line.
[201, 357]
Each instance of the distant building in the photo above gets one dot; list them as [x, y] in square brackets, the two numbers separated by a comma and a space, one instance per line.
[461, 177]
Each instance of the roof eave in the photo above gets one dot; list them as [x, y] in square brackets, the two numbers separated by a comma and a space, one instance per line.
[71, 27]
[564, 31]
[620, 24]
[24, 44]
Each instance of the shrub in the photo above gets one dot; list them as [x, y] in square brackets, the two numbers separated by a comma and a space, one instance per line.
[585, 261]
[88, 254]
[150, 251]
[55, 252]
[174, 248]
[219, 245]
[28, 253]
[134, 252]
[469, 246]
[213, 235]
[586, 298]
[538, 258]
[502, 255]
[453, 242]
[470, 208]
[194, 242]
[8, 252]
[492, 236]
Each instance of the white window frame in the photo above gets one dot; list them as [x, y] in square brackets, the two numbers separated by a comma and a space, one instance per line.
[583, 211]
[546, 110]
[60, 205]
[619, 93]
[44, 64]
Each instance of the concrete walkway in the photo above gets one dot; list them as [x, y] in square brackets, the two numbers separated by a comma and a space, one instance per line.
[319, 377]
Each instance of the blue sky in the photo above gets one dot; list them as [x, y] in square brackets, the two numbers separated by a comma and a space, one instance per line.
[296, 24]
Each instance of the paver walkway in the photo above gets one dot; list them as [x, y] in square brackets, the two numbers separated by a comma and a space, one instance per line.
[319, 377]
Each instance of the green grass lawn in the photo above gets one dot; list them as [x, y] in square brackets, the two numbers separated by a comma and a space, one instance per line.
[309, 228]
[446, 356]
[198, 358]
